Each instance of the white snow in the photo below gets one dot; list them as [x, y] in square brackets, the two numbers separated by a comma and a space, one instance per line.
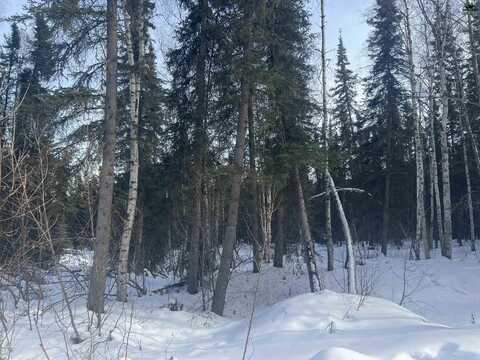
[440, 317]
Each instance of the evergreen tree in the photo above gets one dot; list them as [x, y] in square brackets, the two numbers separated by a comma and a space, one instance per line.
[383, 129]
[344, 110]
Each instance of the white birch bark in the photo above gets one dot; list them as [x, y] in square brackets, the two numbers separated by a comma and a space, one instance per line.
[352, 285]
[421, 227]
[471, 219]
[134, 86]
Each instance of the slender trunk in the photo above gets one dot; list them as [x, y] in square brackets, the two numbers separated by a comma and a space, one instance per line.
[268, 229]
[467, 129]
[326, 126]
[432, 209]
[469, 198]
[473, 54]
[313, 277]
[352, 285]
[434, 174]
[200, 154]
[218, 303]
[139, 262]
[98, 275]
[254, 213]
[386, 211]
[447, 205]
[135, 89]
[280, 238]
[421, 230]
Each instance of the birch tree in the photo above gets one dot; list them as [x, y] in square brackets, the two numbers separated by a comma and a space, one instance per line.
[351, 275]
[439, 28]
[421, 226]
[134, 23]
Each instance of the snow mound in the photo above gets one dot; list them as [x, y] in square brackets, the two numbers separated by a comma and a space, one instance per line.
[332, 312]
[340, 354]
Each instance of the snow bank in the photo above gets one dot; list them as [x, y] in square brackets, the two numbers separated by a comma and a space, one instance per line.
[289, 323]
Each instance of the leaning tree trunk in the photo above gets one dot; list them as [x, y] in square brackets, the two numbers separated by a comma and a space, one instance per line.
[352, 284]
[135, 89]
[98, 275]
[313, 277]
[223, 277]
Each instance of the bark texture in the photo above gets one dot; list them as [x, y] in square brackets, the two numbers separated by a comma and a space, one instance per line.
[103, 229]
[135, 63]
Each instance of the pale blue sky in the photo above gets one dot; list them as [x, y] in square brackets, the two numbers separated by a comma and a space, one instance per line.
[347, 15]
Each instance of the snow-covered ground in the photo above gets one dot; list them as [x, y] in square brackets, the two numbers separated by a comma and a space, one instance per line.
[440, 317]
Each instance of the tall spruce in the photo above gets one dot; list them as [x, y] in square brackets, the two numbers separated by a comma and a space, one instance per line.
[344, 111]
[384, 99]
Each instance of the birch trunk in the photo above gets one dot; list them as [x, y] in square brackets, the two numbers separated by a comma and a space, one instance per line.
[267, 208]
[434, 171]
[352, 285]
[466, 129]
[135, 89]
[471, 218]
[313, 277]
[98, 275]
[254, 211]
[447, 202]
[421, 227]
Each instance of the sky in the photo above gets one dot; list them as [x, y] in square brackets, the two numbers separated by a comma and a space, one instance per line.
[348, 16]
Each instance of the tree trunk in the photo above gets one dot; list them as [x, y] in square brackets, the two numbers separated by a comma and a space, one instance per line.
[326, 129]
[254, 213]
[421, 228]
[266, 212]
[199, 156]
[105, 195]
[447, 202]
[386, 212]
[280, 238]
[352, 285]
[469, 199]
[473, 54]
[139, 255]
[218, 303]
[135, 89]
[313, 277]
[434, 174]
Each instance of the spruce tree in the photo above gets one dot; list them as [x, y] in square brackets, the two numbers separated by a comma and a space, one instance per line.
[344, 109]
[383, 124]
